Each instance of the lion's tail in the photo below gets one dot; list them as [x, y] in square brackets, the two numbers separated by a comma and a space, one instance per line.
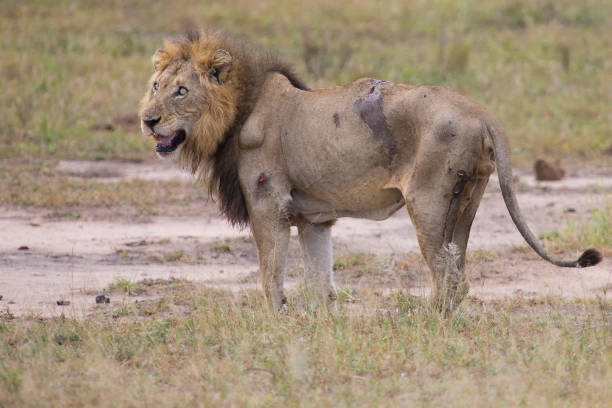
[504, 171]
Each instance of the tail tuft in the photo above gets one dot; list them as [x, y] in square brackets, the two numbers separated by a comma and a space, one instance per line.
[590, 257]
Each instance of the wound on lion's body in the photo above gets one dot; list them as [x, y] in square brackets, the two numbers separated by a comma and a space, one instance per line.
[261, 179]
[370, 110]
[463, 178]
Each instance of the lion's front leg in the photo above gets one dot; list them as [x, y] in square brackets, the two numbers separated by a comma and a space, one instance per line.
[272, 240]
[315, 240]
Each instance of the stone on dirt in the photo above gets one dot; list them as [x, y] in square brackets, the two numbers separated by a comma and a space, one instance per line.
[102, 299]
[547, 171]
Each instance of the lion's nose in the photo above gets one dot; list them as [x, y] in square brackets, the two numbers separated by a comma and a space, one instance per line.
[150, 122]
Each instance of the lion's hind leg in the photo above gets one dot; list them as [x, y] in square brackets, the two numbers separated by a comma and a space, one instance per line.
[455, 284]
[442, 214]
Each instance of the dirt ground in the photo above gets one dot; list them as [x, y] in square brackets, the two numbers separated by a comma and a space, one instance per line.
[45, 260]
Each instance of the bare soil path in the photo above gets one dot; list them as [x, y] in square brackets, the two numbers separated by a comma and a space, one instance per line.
[75, 259]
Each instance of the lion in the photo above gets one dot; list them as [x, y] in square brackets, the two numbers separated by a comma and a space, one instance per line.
[278, 154]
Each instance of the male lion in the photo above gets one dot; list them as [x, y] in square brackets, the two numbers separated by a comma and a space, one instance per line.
[278, 154]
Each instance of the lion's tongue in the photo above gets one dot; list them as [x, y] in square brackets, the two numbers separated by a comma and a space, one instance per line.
[167, 141]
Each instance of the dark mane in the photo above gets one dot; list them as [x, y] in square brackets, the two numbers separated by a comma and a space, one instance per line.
[290, 74]
[251, 70]
[225, 183]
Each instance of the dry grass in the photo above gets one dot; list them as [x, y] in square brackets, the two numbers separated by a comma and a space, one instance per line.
[69, 68]
[72, 72]
[39, 185]
[71, 75]
[192, 346]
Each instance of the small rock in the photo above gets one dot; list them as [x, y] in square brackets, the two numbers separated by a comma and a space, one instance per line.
[102, 299]
[570, 210]
[546, 171]
[63, 302]
[23, 248]
[1, 297]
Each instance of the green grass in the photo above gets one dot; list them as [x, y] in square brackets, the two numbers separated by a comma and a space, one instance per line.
[126, 286]
[222, 246]
[592, 232]
[349, 259]
[195, 346]
[175, 256]
[69, 68]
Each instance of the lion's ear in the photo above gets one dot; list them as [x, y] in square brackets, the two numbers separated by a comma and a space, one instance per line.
[158, 58]
[222, 60]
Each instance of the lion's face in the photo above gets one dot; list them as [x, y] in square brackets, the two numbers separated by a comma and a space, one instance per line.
[172, 106]
[182, 109]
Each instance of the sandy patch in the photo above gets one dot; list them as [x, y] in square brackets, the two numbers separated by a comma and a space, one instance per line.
[75, 259]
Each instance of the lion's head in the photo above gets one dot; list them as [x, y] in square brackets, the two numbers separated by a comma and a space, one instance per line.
[204, 87]
[192, 98]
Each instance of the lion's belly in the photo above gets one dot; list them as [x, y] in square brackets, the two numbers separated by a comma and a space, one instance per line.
[317, 211]
[350, 180]
[346, 178]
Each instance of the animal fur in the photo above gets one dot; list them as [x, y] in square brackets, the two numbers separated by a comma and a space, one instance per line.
[278, 155]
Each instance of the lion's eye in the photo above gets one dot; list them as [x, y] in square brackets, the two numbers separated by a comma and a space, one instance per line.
[155, 86]
[182, 90]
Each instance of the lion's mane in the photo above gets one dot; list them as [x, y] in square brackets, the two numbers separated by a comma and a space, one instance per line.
[212, 150]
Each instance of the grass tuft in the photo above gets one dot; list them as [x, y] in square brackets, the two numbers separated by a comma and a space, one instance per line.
[126, 286]
[223, 348]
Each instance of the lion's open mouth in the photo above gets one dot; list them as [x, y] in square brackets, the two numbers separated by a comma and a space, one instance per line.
[167, 144]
